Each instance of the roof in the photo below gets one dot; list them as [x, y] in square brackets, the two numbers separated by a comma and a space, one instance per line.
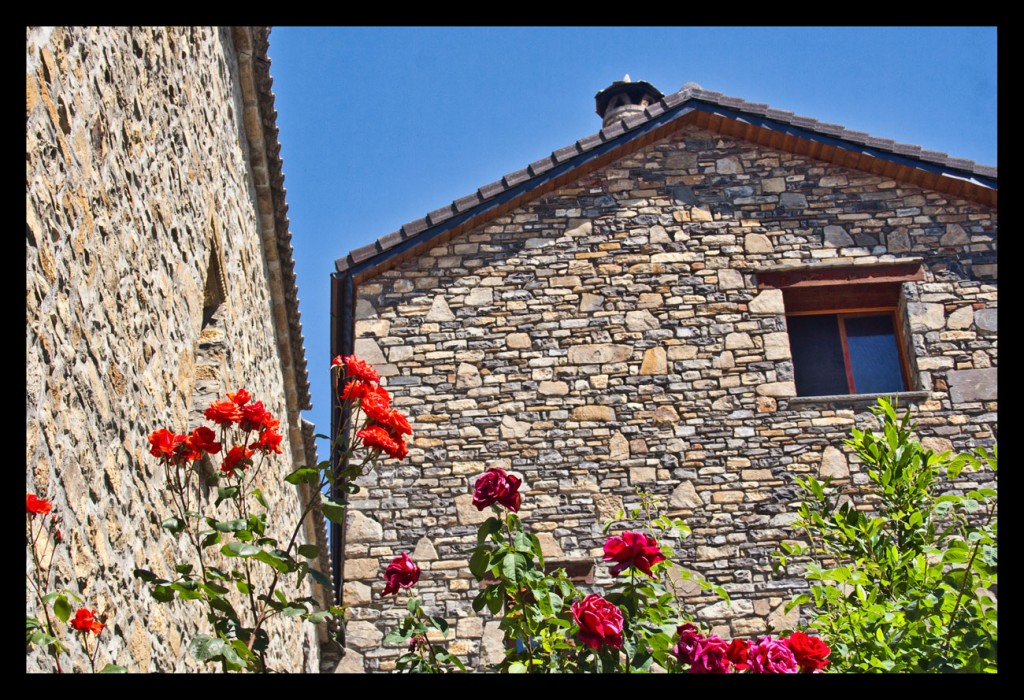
[757, 122]
[252, 44]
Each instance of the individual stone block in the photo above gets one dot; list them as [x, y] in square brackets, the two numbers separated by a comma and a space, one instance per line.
[730, 279]
[439, 310]
[654, 362]
[361, 528]
[685, 496]
[970, 385]
[593, 413]
[598, 354]
[518, 341]
[769, 301]
[833, 463]
[641, 321]
[837, 237]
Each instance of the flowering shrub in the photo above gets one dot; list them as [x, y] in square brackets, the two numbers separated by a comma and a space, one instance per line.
[599, 621]
[241, 597]
[44, 536]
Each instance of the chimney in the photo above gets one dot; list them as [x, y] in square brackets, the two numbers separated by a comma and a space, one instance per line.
[623, 98]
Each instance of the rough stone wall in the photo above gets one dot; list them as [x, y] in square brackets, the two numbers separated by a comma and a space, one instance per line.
[611, 335]
[136, 165]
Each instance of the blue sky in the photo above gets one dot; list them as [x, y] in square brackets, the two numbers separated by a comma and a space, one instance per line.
[379, 125]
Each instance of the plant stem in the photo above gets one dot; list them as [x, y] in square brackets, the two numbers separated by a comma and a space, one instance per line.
[37, 586]
[963, 584]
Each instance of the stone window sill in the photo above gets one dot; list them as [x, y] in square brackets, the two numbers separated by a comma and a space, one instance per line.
[899, 397]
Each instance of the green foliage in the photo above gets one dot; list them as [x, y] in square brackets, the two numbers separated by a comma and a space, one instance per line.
[907, 586]
[422, 656]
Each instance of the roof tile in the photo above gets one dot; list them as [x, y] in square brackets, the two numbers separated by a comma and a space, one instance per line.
[491, 189]
[438, 215]
[538, 167]
[364, 253]
[516, 177]
[415, 226]
[468, 202]
[565, 153]
[390, 240]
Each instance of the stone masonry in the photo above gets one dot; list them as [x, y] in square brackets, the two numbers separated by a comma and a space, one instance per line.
[611, 335]
[140, 196]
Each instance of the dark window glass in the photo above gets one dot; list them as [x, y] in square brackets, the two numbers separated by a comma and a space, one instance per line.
[817, 350]
[874, 357]
[830, 350]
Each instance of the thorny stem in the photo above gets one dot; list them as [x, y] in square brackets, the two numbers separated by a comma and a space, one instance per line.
[963, 584]
[37, 586]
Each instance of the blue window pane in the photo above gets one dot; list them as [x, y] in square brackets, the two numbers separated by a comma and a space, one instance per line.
[874, 356]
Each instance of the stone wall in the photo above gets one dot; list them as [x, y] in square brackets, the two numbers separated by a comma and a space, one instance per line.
[612, 335]
[138, 191]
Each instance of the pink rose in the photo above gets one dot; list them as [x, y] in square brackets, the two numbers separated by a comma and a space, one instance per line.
[689, 637]
[634, 550]
[768, 655]
[710, 655]
[401, 573]
[600, 622]
[497, 486]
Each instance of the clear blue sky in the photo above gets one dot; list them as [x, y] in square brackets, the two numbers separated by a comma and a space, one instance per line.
[379, 125]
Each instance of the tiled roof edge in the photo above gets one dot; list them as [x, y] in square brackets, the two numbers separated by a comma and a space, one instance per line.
[668, 107]
[268, 116]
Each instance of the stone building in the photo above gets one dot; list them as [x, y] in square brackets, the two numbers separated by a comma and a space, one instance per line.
[159, 275]
[700, 300]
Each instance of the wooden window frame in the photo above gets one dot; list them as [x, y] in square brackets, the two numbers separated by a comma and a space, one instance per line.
[849, 291]
[862, 312]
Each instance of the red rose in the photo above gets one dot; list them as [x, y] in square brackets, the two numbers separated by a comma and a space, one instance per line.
[223, 412]
[376, 437]
[255, 417]
[337, 362]
[36, 505]
[240, 397]
[376, 404]
[600, 622]
[737, 653]
[237, 458]
[689, 638]
[269, 441]
[401, 573]
[202, 438]
[85, 621]
[633, 550]
[710, 655]
[810, 652]
[164, 444]
[360, 369]
[396, 423]
[355, 390]
[496, 486]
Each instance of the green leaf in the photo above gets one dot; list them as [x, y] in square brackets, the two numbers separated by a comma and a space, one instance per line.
[205, 648]
[112, 668]
[304, 474]
[310, 551]
[440, 624]
[517, 667]
[210, 538]
[508, 568]
[62, 608]
[332, 510]
[229, 525]
[224, 493]
[175, 525]
[319, 616]
[479, 562]
[320, 578]
[145, 574]
[263, 502]
[162, 593]
[240, 549]
[276, 558]
[183, 568]
[487, 528]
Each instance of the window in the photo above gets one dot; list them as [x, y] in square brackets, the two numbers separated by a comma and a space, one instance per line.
[845, 329]
[845, 353]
